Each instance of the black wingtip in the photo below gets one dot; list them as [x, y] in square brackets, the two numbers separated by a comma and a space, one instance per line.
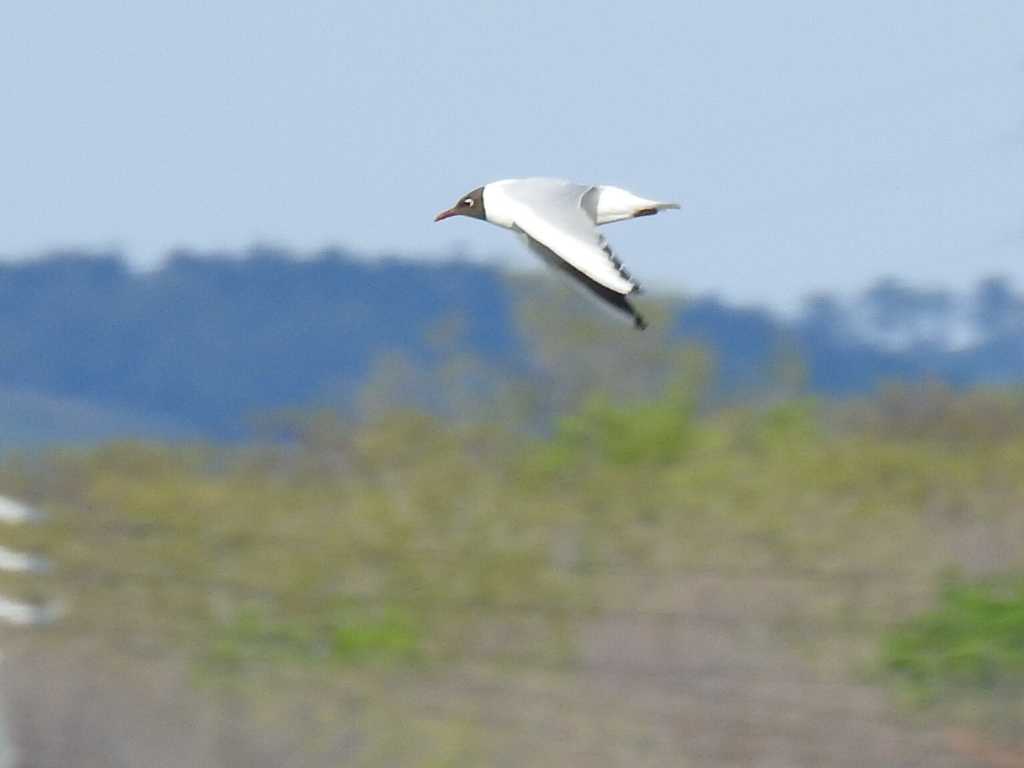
[639, 323]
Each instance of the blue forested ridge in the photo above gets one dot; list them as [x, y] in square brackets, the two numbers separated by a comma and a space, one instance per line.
[208, 340]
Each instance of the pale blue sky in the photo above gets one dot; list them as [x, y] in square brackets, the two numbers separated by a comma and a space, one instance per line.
[813, 145]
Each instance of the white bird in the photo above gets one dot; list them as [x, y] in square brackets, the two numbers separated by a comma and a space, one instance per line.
[19, 562]
[12, 511]
[558, 220]
[29, 614]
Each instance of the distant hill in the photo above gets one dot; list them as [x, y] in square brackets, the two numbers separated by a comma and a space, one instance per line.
[89, 348]
[29, 419]
[205, 342]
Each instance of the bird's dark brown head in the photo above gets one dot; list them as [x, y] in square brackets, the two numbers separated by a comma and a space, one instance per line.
[471, 204]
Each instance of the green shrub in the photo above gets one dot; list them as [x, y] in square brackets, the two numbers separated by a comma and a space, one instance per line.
[973, 640]
[351, 634]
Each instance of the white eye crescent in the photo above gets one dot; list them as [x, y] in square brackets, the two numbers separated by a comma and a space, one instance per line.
[468, 201]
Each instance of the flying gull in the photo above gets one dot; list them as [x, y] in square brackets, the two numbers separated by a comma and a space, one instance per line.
[558, 221]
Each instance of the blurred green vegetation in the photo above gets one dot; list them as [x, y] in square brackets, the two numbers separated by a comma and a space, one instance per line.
[352, 634]
[405, 532]
[466, 518]
[972, 639]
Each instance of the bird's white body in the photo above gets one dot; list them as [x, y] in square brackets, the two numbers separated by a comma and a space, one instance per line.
[612, 203]
[558, 220]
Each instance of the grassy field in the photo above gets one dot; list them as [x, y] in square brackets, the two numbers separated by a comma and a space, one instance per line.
[609, 573]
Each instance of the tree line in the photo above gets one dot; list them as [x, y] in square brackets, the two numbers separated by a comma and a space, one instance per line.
[209, 339]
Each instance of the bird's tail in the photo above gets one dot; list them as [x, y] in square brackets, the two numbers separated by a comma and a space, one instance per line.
[652, 209]
[608, 204]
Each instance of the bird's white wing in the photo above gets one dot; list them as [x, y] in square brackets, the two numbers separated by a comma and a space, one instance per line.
[558, 216]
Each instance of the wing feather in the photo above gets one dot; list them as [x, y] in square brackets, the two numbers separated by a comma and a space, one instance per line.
[611, 298]
[555, 215]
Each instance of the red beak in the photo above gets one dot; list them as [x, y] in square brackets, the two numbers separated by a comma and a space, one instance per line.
[446, 214]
